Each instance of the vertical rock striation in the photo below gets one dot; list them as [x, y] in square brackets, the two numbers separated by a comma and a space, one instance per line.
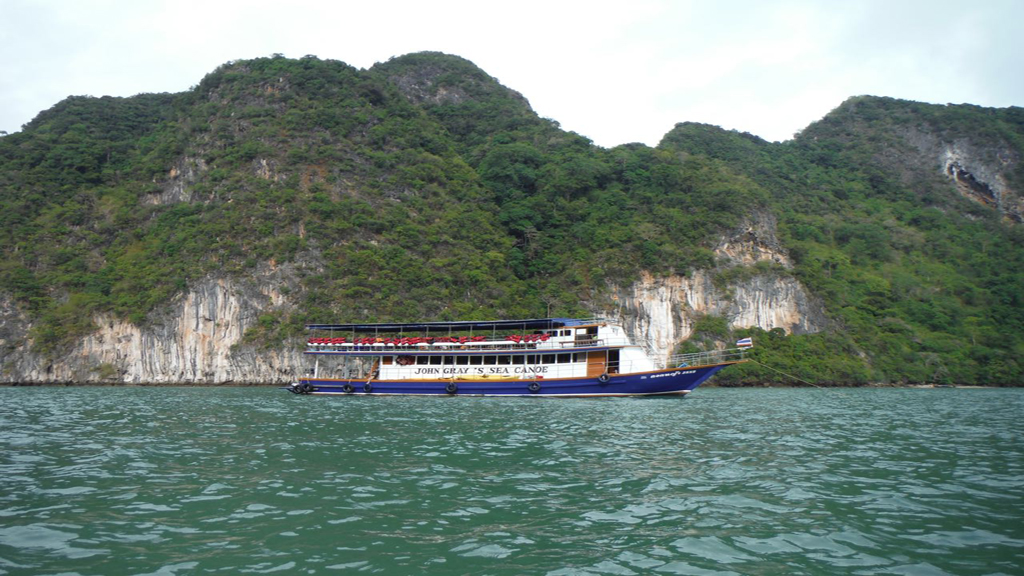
[977, 172]
[199, 337]
[661, 312]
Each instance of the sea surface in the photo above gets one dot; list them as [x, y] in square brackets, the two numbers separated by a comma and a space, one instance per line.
[174, 481]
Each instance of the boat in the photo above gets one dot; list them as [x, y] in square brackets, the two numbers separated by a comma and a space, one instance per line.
[547, 357]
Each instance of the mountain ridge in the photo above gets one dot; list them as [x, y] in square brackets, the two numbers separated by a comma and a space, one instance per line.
[423, 188]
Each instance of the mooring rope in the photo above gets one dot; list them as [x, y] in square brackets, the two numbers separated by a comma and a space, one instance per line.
[785, 374]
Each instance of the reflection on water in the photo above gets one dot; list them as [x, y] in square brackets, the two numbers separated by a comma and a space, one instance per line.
[191, 480]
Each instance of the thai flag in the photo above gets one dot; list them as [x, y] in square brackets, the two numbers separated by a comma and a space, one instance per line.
[745, 343]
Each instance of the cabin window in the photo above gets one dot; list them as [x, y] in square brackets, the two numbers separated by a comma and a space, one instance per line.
[531, 359]
[449, 360]
[518, 359]
[387, 360]
[579, 357]
[490, 360]
[462, 360]
[504, 360]
[435, 360]
[421, 360]
[564, 358]
[548, 359]
[475, 360]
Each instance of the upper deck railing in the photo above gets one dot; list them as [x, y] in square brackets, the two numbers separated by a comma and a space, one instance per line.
[450, 343]
[706, 358]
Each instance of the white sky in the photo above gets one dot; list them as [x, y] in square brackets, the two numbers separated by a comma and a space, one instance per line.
[616, 72]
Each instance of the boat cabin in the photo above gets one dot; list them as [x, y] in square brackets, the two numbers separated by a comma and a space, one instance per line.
[508, 349]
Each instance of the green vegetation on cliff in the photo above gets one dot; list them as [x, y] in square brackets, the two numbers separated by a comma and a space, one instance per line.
[422, 188]
[925, 284]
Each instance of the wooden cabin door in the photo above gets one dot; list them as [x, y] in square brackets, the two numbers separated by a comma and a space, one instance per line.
[597, 363]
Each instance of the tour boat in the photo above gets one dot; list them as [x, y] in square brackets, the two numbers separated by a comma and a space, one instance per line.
[553, 357]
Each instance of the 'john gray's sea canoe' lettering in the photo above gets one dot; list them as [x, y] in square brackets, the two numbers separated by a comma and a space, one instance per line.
[456, 370]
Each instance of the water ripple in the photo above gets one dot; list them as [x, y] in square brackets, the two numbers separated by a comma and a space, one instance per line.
[189, 480]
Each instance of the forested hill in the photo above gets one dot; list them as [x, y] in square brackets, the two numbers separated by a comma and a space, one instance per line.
[421, 188]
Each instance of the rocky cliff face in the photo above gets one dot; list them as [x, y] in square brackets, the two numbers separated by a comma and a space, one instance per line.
[196, 339]
[661, 312]
[979, 173]
[178, 186]
[199, 339]
[982, 181]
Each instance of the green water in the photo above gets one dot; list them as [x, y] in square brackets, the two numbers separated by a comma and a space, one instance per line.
[180, 481]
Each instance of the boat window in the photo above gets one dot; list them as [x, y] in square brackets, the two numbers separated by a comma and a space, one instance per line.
[548, 359]
[579, 357]
[489, 360]
[564, 358]
[504, 360]
[476, 360]
[518, 359]
[435, 360]
[531, 359]
[421, 359]
[449, 360]
[462, 360]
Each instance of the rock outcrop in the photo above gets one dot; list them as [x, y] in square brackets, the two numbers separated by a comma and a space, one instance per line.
[196, 339]
[179, 183]
[661, 312]
[980, 181]
[199, 337]
[978, 173]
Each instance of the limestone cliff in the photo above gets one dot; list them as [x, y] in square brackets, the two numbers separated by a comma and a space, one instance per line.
[977, 176]
[661, 312]
[925, 144]
[422, 187]
[199, 338]
[196, 339]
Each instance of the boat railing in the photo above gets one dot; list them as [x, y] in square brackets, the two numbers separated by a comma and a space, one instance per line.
[706, 357]
[498, 343]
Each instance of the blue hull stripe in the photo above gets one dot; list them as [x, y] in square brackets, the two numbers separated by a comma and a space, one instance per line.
[674, 381]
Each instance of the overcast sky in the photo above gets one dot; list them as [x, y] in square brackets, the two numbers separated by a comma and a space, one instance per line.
[615, 72]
